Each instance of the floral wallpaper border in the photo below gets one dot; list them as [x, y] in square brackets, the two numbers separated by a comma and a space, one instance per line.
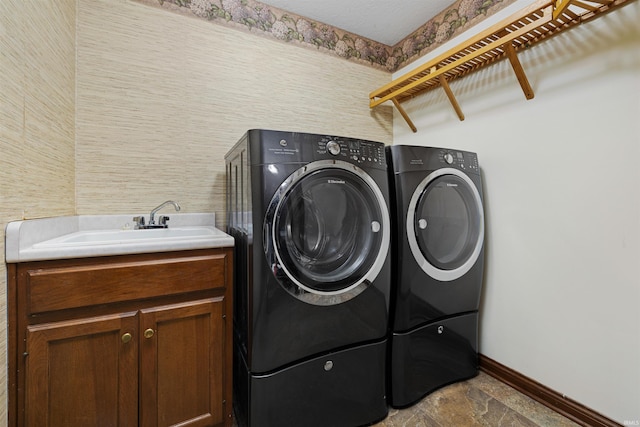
[268, 21]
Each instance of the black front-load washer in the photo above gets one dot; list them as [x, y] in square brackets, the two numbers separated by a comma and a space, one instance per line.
[438, 267]
[311, 221]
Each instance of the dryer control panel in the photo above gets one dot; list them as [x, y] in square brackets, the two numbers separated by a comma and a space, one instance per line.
[411, 158]
[360, 152]
[463, 160]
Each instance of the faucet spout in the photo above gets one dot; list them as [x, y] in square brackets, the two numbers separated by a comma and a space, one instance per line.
[156, 209]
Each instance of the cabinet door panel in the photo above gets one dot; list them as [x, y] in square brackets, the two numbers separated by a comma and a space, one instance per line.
[182, 349]
[82, 373]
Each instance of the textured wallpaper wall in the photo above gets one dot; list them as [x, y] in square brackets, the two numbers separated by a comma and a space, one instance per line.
[161, 97]
[37, 111]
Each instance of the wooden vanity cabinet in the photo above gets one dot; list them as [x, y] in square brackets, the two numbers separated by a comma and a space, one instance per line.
[135, 340]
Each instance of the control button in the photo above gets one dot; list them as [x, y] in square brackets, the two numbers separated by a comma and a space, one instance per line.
[448, 158]
[333, 148]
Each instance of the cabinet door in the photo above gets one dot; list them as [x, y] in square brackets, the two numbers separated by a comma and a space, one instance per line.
[82, 373]
[182, 364]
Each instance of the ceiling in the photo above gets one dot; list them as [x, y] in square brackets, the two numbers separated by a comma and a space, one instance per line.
[384, 21]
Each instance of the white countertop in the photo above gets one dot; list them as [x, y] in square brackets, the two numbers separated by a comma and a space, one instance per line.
[104, 235]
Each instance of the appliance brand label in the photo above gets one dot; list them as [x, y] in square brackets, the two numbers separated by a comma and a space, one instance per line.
[336, 181]
[284, 151]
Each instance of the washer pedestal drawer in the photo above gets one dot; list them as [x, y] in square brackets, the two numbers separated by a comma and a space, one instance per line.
[343, 388]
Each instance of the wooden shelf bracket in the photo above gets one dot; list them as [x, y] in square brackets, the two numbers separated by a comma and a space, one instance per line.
[517, 68]
[452, 98]
[404, 115]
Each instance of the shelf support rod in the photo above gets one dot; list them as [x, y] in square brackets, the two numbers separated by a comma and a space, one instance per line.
[517, 68]
[559, 6]
[404, 114]
[450, 95]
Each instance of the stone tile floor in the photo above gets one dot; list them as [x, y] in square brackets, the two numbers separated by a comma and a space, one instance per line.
[480, 401]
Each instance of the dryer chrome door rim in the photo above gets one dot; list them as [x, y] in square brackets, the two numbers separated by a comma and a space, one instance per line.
[433, 271]
[288, 248]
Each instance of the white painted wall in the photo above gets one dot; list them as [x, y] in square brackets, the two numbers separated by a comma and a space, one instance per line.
[561, 299]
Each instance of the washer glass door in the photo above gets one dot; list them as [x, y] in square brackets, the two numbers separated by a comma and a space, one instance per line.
[327, 232]
[445, 224]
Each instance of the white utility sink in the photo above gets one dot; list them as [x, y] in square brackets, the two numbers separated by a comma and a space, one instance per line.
[106, 235]
[124, 237]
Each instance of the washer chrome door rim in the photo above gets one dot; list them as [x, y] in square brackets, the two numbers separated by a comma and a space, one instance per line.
[427, 267]
[292, 283]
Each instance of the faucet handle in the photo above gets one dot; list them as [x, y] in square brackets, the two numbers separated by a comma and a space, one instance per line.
[162, 220]
[139, 222]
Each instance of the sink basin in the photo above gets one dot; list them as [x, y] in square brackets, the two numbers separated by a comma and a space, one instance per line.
[107, 235]
[123, 237]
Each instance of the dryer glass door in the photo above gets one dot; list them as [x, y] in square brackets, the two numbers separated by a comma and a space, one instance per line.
[329, 232]
[446, 224]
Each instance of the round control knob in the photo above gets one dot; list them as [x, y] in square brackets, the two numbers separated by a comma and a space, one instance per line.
[333, 148]
[448, 158]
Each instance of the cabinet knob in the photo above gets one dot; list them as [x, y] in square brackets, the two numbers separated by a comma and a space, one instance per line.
[126, 337]
[148, 333]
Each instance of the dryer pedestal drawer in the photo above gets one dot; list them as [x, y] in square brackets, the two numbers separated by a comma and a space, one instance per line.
[430, 357]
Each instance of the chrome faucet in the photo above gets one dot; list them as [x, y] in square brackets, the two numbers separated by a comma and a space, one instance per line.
[153, 212]
[162, 221]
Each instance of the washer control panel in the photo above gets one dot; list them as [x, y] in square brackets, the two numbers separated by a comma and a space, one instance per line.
[460, 159]
[274, 147]
[333, 148]
[356, 151]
